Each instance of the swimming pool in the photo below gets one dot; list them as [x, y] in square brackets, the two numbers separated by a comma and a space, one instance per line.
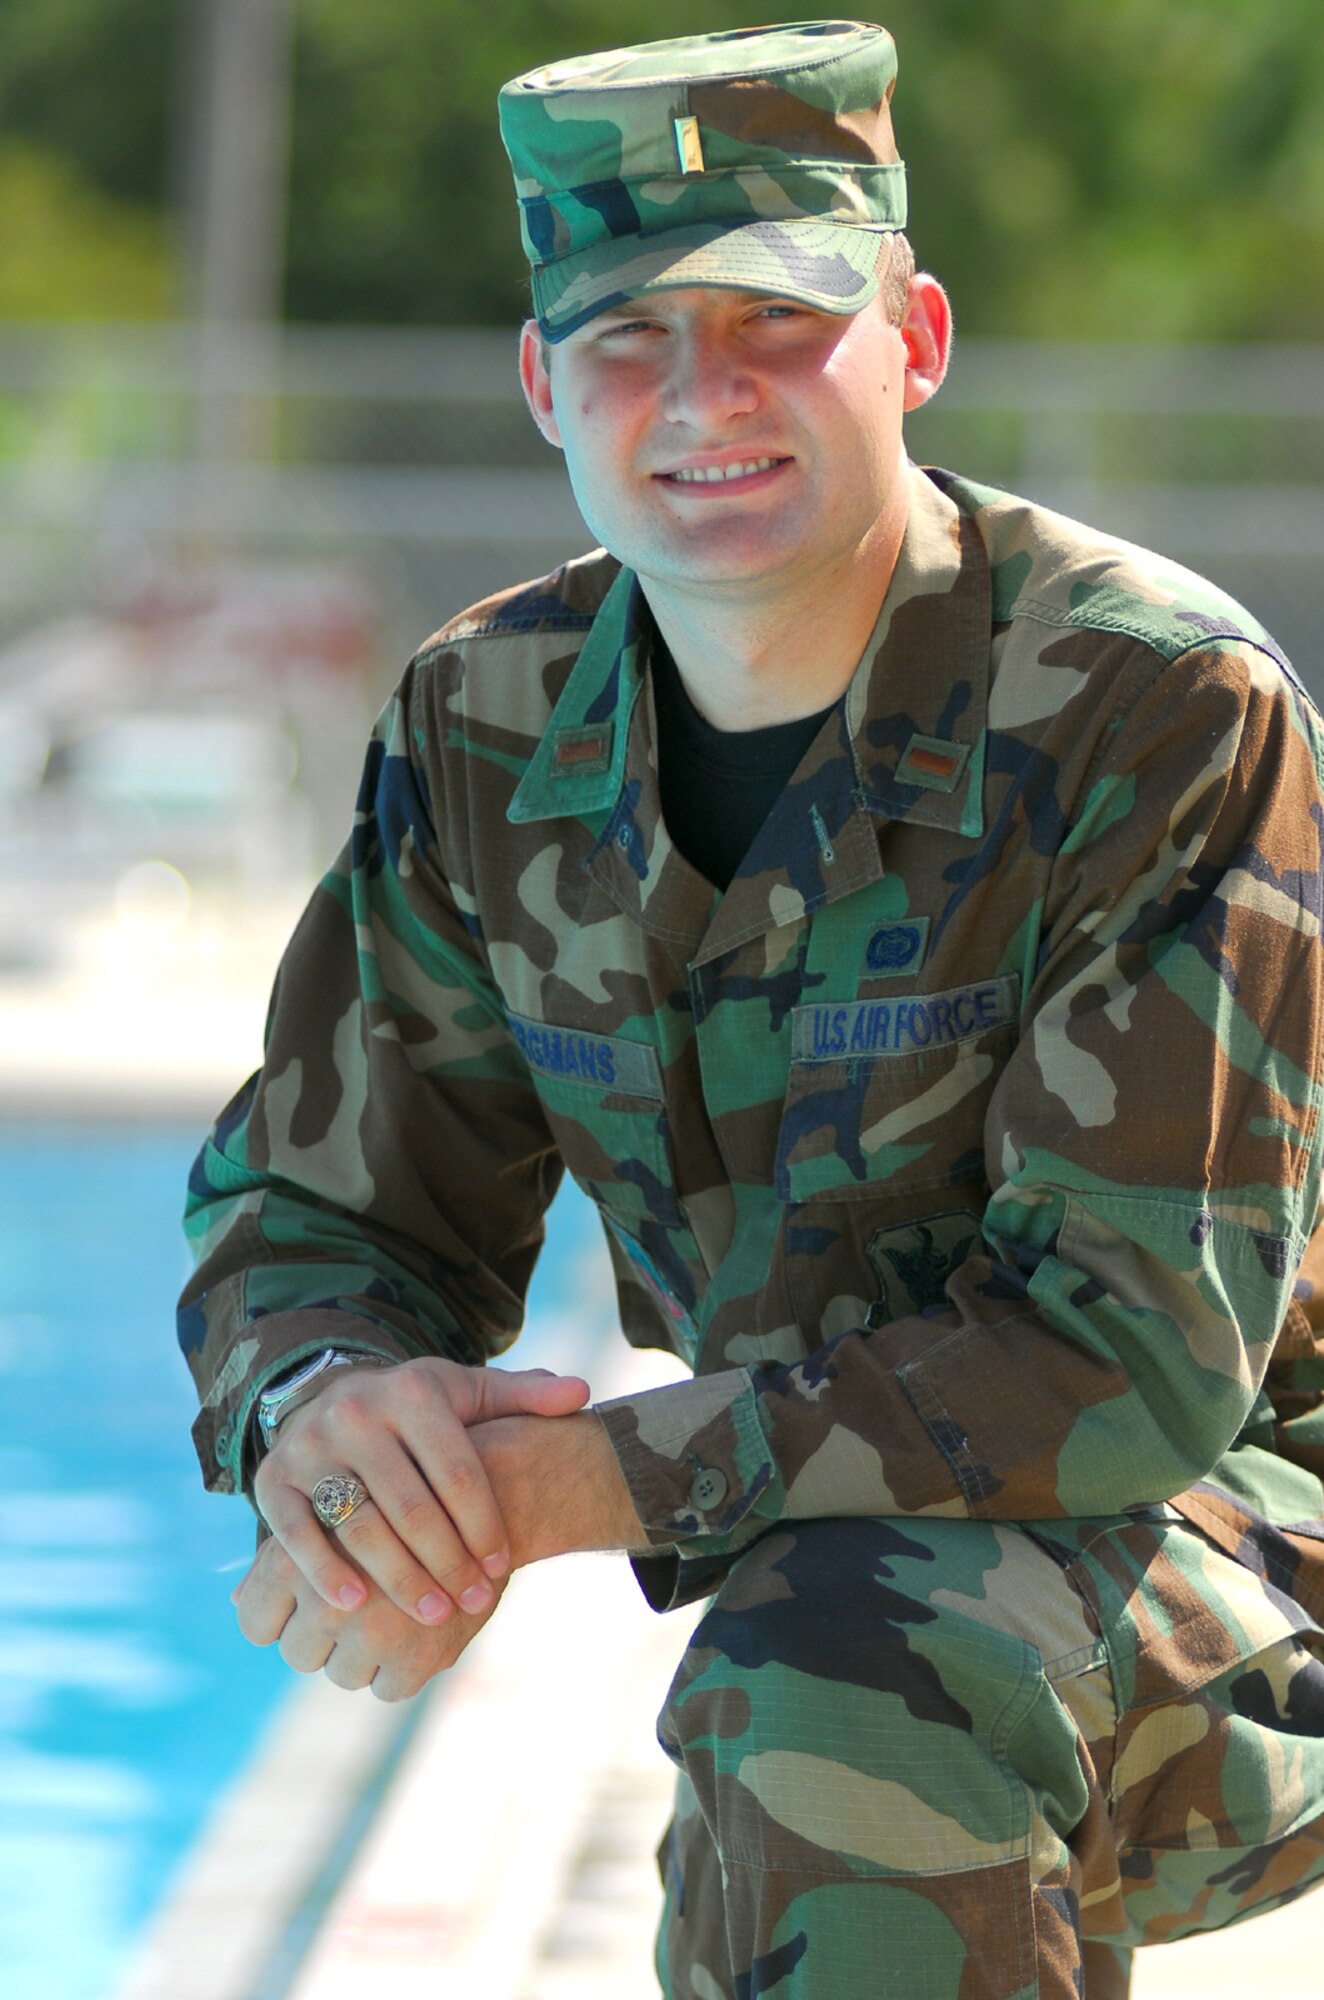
[127, 1697]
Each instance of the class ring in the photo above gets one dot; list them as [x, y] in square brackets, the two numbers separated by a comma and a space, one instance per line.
[336, 1497]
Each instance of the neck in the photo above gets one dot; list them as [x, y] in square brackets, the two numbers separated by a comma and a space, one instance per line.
[779, 648]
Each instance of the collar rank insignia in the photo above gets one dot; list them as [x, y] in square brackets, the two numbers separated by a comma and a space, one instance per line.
[933, 764]
[579, 750]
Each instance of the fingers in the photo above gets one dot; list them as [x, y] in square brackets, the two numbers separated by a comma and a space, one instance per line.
[266, 1598]
[431, 1535]
[379, 1556]
[524, 1392]
[441, 1506]
[417, 1550]
[289, 1515]
[376, 1646]
[404, 1655]
[402, 1537]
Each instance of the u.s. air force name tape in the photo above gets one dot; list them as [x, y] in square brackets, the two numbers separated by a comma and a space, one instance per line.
[829, 1033]
[604, 1062]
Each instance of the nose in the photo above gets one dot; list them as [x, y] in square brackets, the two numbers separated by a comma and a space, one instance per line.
[709, 381]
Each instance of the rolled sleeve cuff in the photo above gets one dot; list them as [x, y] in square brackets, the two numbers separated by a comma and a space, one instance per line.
[697, 1461]
[267, 1348]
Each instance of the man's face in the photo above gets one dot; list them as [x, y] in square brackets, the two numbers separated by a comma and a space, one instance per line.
[720, 438]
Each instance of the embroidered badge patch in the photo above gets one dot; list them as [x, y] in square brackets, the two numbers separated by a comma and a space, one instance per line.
[933, 764]
[914, 1260]
[828, 1033]
[598, 1061]
[897, 948]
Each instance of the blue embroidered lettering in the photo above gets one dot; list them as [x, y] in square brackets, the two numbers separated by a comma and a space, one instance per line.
[872, 1028]
[588, 1060]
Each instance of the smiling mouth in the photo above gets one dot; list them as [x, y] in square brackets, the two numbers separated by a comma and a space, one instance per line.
[721, 475]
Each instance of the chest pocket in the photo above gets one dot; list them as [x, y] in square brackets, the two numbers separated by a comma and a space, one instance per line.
[889, 1097]
[604, 1103]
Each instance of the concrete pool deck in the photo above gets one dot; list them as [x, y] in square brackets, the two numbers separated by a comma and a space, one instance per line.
[140, 1017]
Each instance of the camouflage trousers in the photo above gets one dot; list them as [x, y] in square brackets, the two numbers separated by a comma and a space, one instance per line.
[950, 1760]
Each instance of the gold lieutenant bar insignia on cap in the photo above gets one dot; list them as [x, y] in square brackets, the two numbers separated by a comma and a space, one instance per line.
[689, 145]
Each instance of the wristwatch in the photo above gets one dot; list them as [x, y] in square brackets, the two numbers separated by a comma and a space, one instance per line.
[286, 1393]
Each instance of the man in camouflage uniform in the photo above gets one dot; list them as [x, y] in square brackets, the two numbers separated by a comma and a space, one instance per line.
[962, 1133]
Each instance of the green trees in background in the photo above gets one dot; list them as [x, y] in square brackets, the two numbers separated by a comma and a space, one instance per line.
[1135, 169]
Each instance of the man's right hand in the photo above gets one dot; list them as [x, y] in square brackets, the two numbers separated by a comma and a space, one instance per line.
[375, 1647]
[430, 1533]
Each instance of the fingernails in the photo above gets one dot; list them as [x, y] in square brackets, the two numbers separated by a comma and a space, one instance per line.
[350, 1595]
[477, 1597]
[433, 1608]
[496, 1565]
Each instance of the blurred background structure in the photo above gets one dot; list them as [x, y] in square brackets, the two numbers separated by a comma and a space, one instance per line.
[260, 281]
[259, 432]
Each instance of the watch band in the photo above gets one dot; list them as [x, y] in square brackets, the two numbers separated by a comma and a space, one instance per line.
[285, 1394]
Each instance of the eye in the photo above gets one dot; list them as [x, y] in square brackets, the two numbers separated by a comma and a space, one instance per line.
[629, 329]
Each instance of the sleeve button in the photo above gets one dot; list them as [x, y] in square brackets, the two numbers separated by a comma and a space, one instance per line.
[708, 1490]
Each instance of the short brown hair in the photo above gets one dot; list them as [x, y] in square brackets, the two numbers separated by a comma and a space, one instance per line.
[896, 268]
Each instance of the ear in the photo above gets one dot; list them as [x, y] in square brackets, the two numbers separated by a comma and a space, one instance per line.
[927, 333]
[537, 383]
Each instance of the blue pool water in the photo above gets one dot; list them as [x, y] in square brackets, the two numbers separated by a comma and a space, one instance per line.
[127, 1698]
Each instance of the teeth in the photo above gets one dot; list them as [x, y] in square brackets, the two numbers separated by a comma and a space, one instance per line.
[706, 474]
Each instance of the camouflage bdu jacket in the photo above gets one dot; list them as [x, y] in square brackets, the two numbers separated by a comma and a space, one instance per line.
[967, 1146]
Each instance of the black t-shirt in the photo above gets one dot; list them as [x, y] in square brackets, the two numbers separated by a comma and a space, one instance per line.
[718, 785]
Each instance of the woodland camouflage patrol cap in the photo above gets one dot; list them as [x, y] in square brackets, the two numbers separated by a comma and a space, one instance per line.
[762, 158]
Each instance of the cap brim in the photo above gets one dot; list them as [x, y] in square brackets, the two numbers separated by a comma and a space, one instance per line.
[829, 265]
